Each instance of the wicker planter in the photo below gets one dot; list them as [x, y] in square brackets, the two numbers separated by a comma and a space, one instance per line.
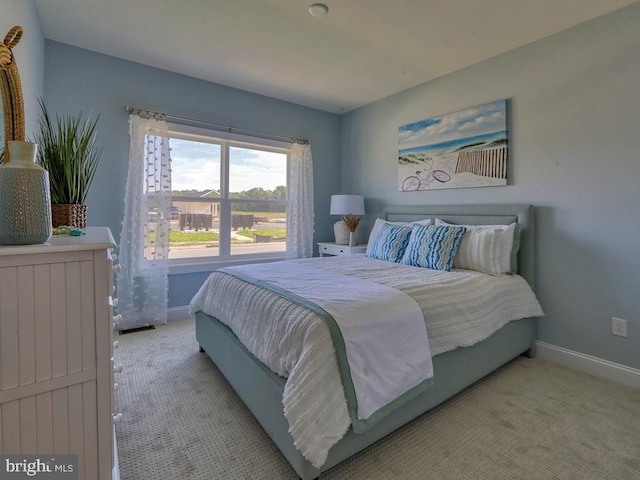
[72, 215]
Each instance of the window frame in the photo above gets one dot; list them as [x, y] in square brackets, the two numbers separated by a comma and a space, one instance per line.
[226, 140]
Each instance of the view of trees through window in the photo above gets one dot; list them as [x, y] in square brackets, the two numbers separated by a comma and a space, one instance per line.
[214, 214]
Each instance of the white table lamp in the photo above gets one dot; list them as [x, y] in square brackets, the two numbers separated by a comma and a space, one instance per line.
[349, 206]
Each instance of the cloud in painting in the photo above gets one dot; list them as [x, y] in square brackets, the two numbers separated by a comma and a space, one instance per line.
[480, 120]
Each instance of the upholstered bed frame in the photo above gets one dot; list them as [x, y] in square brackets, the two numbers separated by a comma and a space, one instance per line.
[261, 390]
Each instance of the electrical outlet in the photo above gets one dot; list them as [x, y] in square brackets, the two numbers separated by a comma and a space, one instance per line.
[619, 326]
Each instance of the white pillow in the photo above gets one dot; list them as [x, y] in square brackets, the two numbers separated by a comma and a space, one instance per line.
[378, 225]
[485, 248]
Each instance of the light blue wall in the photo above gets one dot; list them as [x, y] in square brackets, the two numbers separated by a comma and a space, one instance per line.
[29, 54]
[575, 112]
[574, 153]
[80, 80]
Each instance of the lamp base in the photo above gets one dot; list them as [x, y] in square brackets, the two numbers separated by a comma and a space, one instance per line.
[341, 233]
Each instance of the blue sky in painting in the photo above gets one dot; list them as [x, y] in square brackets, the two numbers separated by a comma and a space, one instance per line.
[459, 144]
[480, 121]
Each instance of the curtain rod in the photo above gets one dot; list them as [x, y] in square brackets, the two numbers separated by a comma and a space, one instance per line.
[215, 126]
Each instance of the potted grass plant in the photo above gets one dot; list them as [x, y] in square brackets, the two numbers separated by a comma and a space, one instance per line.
[67, 149]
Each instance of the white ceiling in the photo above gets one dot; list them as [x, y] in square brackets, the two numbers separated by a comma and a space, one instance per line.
[361, 51]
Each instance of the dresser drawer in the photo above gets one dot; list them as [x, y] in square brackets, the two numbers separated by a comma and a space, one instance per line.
[336, 249]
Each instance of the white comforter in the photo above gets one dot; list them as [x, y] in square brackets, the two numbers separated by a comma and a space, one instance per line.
[382, 330]
[460, 309]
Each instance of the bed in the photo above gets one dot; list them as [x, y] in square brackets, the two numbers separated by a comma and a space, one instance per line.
[262, 390]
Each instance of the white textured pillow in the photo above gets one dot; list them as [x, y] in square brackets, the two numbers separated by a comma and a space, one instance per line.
[380, 222]
[485, 248]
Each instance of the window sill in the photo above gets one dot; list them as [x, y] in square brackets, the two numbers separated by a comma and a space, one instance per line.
[210, 264]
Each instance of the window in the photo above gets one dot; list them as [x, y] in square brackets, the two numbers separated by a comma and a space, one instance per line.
[228, 196]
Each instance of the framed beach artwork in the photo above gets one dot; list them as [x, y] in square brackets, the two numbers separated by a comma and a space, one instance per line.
[463, 149]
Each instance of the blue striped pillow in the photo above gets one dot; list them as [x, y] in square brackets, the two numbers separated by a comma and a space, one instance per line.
[390, 242]
[433, 246]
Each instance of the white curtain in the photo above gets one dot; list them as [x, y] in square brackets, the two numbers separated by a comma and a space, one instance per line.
[300, 202]
[143, 283]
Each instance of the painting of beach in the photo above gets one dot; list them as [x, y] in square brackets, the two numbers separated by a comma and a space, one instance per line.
[458, 150]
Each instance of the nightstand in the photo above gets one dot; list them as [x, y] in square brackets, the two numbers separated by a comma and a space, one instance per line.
[331, 248]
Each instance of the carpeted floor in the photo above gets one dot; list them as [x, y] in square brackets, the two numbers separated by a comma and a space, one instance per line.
[529, 420]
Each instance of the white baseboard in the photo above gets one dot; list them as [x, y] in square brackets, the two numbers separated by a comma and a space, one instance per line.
[178, 313]
[592, 365]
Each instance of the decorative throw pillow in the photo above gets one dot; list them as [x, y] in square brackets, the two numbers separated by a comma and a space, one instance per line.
[379, 222]
[433, 247]
[481, 250]
[488, 248]
[389, 243]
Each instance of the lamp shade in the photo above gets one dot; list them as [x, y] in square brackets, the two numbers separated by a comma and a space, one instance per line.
[347, 205]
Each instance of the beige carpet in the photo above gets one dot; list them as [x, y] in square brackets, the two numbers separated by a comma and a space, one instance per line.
[529, 420]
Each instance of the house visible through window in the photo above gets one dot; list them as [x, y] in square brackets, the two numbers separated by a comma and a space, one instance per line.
[228, 196]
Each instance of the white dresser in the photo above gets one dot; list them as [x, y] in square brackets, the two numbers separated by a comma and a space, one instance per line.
[56, 351]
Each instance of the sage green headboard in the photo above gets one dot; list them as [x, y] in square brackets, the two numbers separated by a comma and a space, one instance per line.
[493, 214]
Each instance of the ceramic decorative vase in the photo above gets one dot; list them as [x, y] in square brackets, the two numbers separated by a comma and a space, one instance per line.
[343, 236]
[25, 201]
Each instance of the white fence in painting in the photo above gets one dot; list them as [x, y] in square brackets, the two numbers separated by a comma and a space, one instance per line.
[486, 163]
